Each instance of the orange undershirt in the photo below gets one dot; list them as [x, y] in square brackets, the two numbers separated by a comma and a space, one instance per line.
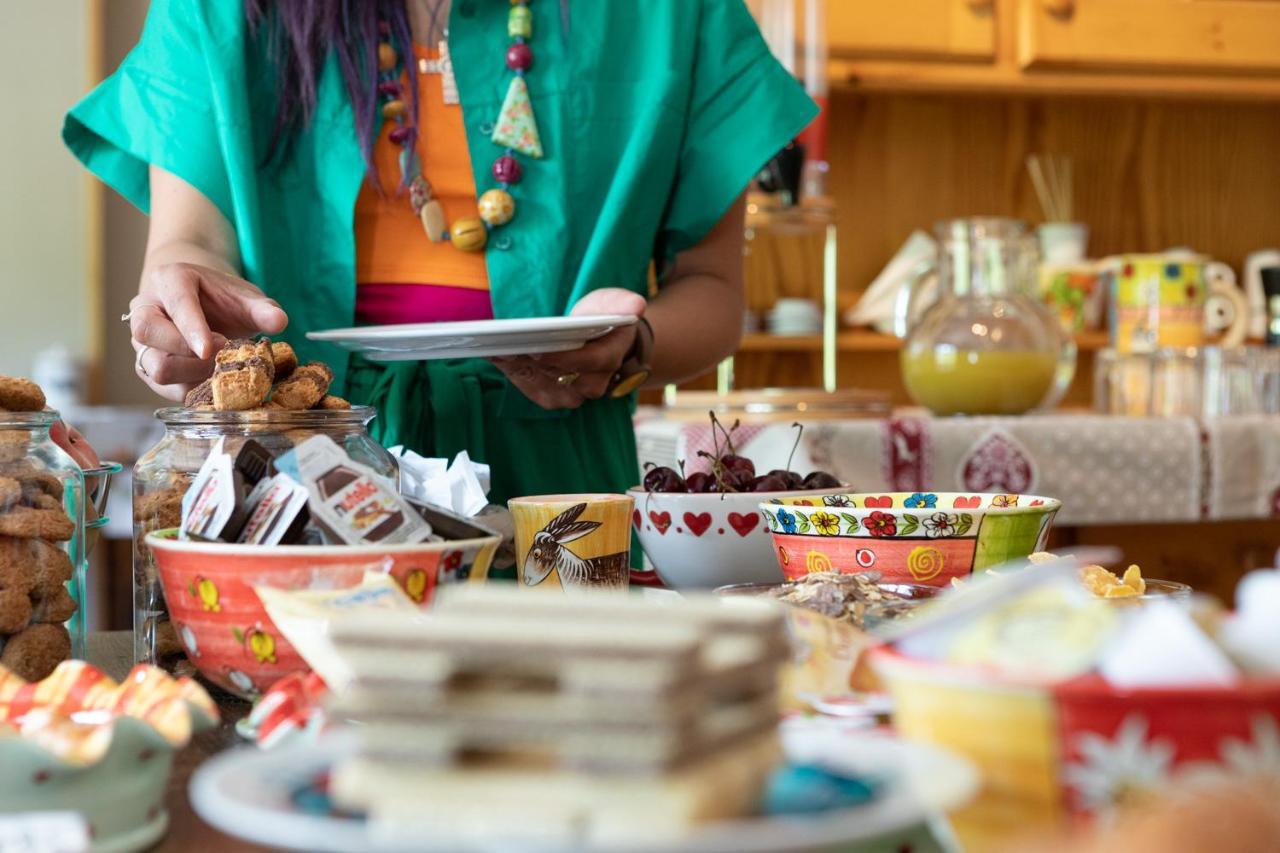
[391, 245]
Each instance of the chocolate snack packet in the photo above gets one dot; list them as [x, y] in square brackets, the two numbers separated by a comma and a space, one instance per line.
[349, 500]
[214, 507]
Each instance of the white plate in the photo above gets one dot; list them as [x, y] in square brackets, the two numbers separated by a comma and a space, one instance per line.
[473, 339]
[246, 793]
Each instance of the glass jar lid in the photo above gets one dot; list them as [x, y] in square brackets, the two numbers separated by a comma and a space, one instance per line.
[356, 416]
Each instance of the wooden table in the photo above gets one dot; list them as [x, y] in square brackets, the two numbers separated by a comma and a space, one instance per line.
[112, 652]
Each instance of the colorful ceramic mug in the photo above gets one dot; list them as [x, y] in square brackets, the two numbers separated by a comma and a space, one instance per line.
[1173, 300]
[573, 541]
[907, 538]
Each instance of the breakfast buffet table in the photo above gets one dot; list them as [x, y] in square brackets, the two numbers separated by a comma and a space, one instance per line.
[1152, 486]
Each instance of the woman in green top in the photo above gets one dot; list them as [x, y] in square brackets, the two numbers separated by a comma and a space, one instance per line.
[244, 130]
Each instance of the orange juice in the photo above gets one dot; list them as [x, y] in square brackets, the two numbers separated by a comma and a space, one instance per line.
[950, 381]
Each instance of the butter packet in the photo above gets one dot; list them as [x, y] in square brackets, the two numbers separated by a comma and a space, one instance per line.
[349, 500]
[305, 617]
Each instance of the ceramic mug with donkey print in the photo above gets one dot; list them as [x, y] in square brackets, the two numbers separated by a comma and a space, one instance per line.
[573, 541]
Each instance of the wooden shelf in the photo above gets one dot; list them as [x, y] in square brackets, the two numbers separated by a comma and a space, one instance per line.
[867, 340]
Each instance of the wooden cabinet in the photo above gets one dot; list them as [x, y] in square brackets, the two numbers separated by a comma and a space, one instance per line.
[1155, 36]
[958, 30]
[1197, 48]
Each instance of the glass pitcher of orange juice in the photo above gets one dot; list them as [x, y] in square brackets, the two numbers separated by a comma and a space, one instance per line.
[985, 346]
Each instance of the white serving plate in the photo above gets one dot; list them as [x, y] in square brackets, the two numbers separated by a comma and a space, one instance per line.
[246, 793]
[473, 339]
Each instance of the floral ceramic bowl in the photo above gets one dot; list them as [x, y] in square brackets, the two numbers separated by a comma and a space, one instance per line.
[1050, 752]
[226, 631]
[704, 541]
[80, 742]
[920, 537]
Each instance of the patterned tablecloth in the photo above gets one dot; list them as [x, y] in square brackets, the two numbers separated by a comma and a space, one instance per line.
[1105, 469]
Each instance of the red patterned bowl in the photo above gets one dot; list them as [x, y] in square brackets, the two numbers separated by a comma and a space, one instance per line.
[908, 537]
[705, 541]
[224, 628]
[1081, 748]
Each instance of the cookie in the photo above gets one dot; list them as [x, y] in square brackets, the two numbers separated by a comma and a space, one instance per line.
[15, 610]
[285, 359]
[10, 492]
[20, 395]
[331, 402]
[14, 446]
[55, 607]
[242, 375]
[18, 566]
[36, 652]
[160, 510]
[24, 522]
[200, 396]
[306, 387]
[33, 480]
[32, 565]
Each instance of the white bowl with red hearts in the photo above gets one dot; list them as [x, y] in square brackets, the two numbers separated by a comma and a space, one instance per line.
[703, 541]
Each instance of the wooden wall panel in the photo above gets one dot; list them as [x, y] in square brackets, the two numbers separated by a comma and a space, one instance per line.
[1149, 174]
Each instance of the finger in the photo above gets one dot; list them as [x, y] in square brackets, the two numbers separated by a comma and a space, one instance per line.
[541, 388]
[178, 286]
[240, 309]
[601, 355]
[609, 300]
[163, 368]
[593, 386]
[150, 326]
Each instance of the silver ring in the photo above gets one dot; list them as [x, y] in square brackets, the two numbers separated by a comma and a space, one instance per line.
[567, 379]
[127, 316]
[137, 363]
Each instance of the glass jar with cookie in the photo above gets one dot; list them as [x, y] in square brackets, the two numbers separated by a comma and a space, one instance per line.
[258, 391]
[41, 538]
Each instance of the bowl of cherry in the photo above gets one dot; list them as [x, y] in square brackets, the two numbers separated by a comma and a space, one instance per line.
[705, 530]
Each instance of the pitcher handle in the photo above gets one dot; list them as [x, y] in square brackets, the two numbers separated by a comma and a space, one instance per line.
[1222, 286]
[905, 302]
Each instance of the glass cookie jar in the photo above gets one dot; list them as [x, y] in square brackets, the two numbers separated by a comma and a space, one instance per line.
[42, 557]
[163, 474]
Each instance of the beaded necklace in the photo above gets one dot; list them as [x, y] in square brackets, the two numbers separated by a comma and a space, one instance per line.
[515, 131]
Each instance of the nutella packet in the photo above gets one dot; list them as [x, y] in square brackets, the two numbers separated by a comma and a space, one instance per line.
[349, 500]
[277, 512]
[214, 507]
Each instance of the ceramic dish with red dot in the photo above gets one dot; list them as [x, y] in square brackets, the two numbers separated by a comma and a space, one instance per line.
[80, 742]
[705, 541]
[907, 537]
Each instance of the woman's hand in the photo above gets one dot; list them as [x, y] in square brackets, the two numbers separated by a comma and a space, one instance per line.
[183, 315]
[565, 380]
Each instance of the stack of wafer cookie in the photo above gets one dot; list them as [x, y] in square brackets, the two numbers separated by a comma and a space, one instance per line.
[509, 714]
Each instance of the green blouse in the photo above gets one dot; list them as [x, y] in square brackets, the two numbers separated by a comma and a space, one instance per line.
[654, 116]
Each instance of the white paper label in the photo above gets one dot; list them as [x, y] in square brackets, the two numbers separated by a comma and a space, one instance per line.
[43, 832]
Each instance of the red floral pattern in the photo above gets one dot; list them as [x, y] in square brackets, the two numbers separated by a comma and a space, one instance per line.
[881, 524]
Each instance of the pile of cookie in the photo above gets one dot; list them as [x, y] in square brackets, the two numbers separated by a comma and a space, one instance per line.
[258, 375]
[34, 568]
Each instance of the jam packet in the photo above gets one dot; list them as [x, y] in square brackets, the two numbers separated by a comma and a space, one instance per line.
[349, 500]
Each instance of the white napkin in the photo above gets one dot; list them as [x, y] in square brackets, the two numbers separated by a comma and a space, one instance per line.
[877, 306]
[1252, 634]
[1162, 646]
[461, 487]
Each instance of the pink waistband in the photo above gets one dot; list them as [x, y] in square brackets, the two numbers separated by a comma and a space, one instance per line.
[394, 304]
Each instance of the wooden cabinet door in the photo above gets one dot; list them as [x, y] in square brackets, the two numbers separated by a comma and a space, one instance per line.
[1152, 36]
[905, 29]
